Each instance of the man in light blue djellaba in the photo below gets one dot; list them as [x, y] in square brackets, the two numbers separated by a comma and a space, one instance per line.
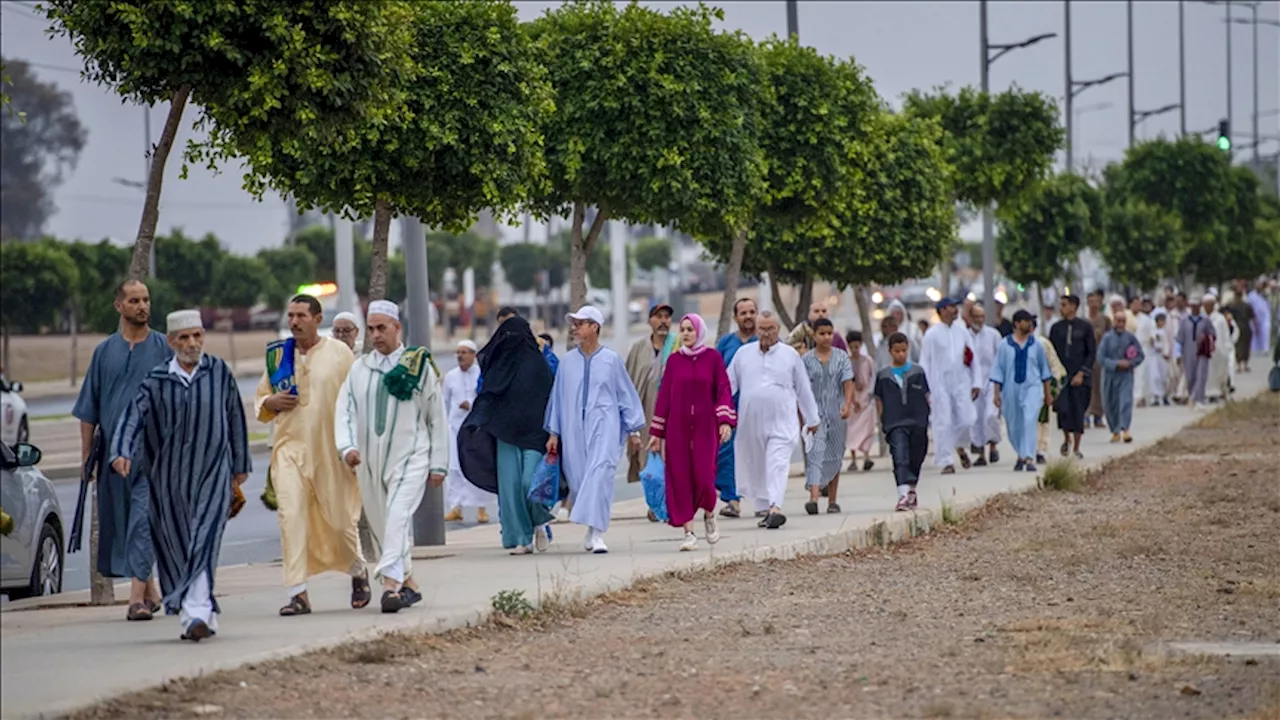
[592, 411]
[1020, 385]
[120, 364]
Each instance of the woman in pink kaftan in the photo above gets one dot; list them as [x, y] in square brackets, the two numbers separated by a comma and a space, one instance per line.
[693, 417]
[862, 422]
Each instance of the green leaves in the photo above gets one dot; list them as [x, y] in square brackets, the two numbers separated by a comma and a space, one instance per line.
[1045, 230]
[653, 253]
[1000, 144]
[1138, 249]
[37, 281]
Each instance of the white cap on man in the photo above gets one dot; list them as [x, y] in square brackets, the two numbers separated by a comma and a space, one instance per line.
[349, 317]
[180, 320]
[385, 307]
[587, 312]
[467, 345]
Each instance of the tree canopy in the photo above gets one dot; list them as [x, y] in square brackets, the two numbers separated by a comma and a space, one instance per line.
[655, 120]
[1001, 144]
[322, 73]
[42, 143]
[1041, 233]
[1137, 249]
[37, 282]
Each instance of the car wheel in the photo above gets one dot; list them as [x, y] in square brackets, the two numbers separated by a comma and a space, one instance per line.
[24, 431]
[46, 571]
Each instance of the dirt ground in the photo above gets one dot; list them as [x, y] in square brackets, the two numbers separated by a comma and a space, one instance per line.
[35, 358]
[1048, 604]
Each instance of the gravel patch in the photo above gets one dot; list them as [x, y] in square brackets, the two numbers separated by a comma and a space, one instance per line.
[1047, 604]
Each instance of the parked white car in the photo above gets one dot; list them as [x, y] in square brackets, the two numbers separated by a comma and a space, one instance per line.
[15, 427]
[32, 554]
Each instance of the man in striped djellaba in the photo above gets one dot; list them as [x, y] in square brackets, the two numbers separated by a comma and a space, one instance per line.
[187, 425]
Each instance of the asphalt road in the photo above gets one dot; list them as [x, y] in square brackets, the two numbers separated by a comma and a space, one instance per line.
[253, 536]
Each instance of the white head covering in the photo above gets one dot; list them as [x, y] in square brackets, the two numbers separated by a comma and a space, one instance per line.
[350, 317]
[179, 320]
[385, 307]
[587, 312]
[468, 345]
[1209, 297]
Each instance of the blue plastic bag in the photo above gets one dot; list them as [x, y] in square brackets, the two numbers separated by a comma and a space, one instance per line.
[654, 480]
[545, 486]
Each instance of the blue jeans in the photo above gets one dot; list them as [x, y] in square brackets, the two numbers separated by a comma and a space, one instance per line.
[907, 446]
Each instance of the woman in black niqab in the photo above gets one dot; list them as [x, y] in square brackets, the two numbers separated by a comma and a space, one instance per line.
[512, 403]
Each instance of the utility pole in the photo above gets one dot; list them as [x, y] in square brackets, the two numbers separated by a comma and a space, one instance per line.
[1182, 68]
[1129, 7]
[988, 222]
[618, 281]
[1070, 87]
[428, 519]
[344, 263]
[1257, 140]
[793, 20]
[1230, 119]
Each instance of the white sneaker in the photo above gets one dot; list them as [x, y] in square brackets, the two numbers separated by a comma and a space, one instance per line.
[540, 539]
[690, 542]
[589, 539]
[597, 545]
[713, 528]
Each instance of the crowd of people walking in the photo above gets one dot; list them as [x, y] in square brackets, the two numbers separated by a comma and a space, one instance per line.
[357, 437]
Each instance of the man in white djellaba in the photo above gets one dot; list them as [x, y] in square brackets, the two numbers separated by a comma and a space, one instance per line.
[770, 379]
[948, 360]
[390, 427]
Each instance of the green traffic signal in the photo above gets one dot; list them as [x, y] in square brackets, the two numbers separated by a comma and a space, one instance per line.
[1224, 142]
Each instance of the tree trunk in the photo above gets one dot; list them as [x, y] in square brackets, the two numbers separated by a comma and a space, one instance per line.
[101, 591]
[231, 342]
[6, 350]
[779, 308]
[378, 256]
[805, 300]
[944, 278]
[141, 264]
[863, 299]
[732, 276]
[580, 247]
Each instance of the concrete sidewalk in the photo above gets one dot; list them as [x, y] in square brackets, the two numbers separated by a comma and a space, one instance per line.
[60, 658]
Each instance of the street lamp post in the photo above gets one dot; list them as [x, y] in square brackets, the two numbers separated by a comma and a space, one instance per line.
[988, 222]
[1182, 68]
[1129, 10]
[1255, 21]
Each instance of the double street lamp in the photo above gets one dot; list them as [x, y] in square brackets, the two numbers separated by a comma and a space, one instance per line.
[988, 223]
[1255, 21]
[1075, 87]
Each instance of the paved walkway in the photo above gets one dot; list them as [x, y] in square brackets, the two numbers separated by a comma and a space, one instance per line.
[57, 659]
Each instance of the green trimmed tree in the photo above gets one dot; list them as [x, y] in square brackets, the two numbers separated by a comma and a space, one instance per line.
[37, 282]
[1191, 179]
[654, 123]
[1001, 144]
[464, 133]
[653, 253]
[814, 109]
[1041, 234]
[322, 73]
[1138, 250]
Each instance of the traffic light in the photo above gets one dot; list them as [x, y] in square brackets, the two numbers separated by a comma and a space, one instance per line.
[1224, 135]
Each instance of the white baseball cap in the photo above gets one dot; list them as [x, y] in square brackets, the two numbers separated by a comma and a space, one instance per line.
[586, 312]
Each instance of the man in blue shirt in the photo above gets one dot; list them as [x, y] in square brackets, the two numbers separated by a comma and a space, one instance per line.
[744, 314]
[119, 365]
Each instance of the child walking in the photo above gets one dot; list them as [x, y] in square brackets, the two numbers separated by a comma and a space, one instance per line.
[902, 399]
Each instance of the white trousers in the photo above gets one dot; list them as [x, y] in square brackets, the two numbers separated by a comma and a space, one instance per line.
[953, 414]
[391, 521]
[460, 493]
[197, 604]
[986, 424]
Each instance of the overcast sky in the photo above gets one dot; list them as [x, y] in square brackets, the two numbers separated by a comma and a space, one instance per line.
[903, 45]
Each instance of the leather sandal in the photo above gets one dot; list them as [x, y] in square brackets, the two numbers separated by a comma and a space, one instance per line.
[138, 612]
[361, 593]
[298, 605]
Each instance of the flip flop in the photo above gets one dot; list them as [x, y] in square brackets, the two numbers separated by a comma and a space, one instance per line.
[410, 596]
[729, 512]
[775, 521]
[833, 508]
[392, 602]
[196, 631]
[811, 507]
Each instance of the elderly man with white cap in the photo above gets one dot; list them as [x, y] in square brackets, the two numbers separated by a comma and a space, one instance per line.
[1219, 384]
[460, 392]
[188, 420]
[592, 411]
[346, 327]
[391, 428]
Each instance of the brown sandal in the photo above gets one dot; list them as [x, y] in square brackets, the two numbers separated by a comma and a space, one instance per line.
[361, 593]
[138, 611]
[298, 605]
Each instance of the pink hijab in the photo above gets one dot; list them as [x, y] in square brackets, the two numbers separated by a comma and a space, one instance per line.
[700, 338]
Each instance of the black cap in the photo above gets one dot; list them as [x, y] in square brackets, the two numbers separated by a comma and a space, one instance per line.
[1023, 315]
[658, 307]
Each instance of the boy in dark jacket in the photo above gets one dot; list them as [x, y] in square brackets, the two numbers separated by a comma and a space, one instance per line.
[902, 399]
